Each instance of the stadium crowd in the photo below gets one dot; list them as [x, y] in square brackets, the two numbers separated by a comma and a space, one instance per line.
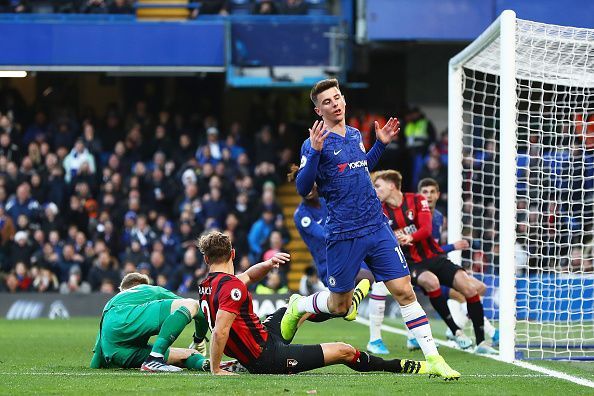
[85, 200]
[202, 7]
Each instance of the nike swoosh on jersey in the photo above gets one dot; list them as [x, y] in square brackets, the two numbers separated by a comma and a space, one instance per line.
[337, 152]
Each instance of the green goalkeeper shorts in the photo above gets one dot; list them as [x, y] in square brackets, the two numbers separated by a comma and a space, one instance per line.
[126, 330]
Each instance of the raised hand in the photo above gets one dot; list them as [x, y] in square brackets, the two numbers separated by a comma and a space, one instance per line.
[389, 131]
[317, 135]
[279, 258]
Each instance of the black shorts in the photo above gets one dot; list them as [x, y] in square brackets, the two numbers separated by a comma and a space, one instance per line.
[280, 357]
[441, 266]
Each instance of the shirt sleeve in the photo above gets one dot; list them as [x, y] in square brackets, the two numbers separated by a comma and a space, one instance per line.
[424, 223]
[308, 169]
[448, 248]
[374, 155]
[232, 295]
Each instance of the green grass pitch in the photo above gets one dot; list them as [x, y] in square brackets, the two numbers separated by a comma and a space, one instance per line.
[51, 357]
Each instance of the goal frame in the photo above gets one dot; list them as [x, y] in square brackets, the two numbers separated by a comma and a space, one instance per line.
[504, 28]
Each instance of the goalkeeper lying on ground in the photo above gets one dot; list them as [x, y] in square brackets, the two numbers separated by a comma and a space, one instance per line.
[140, 311]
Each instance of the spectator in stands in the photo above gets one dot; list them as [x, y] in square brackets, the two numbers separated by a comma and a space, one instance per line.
[310, 283]
[259, 233]
[294, 7]
[419, 133]
[186, 277]
[75, 160]
[272, 284]
[23, 203]
[45, 280]
[22, 249]
[120, 7]
[7, 231]
[25, 282]
[14, 6]
[211, 7]
[8, 148]
[265, 7]
[104, 268]
[75, 283]
[212, 150]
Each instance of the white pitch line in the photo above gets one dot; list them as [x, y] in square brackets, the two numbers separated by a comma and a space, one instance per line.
[139, 374]
[519, 363]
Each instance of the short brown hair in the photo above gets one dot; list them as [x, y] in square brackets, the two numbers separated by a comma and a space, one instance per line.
[216, 247]
[320, 87]
[390, 175]
[292, 175]
[428, 182]
[133, 279]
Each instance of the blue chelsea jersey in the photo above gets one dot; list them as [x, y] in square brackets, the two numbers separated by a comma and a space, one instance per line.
[343, 180]
[437, 225]
[310, 222]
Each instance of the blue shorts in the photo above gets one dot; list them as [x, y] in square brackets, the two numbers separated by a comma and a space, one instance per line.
[380, 250]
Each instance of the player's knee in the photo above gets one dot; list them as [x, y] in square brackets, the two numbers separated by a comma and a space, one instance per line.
[428, 281]
[347, 352]
[192, 305]
[404, 295]
[481, 288]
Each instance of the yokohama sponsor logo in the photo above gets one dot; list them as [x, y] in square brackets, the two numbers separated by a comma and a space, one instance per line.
[352, 165]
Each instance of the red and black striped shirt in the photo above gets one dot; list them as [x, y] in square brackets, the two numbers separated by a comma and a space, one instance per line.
[413, 217]
[247, 335]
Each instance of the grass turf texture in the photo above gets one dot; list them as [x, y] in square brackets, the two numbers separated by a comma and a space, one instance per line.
[51, 357]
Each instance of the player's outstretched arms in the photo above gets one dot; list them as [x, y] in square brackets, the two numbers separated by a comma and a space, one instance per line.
[257, 272]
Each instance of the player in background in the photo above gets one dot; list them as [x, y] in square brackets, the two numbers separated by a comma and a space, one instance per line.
[138, 312]
[429, 188]
[356, 229]
[310, 218]
[238, 332]
[410, 218]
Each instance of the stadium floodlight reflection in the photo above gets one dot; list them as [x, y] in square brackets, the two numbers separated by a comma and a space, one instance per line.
[13, 73]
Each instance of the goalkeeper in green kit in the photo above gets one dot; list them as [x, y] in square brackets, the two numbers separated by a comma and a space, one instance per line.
[140, 311]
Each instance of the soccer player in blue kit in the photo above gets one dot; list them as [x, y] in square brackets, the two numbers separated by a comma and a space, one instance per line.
[310, 219]
[356, 229]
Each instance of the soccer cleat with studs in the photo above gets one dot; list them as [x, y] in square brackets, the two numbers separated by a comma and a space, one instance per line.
[290, 319]
[437, 367]
[358, 295]
[157, 365]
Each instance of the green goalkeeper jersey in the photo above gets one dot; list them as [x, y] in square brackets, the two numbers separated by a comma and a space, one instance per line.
[136, 314]
[140, 294]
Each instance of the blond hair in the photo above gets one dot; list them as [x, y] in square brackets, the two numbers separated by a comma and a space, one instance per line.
[133, 279]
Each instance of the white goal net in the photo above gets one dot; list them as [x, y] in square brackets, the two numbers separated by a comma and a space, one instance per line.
[551, 104]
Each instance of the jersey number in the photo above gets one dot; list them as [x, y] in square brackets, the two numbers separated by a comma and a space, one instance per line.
[206, 311]
[398, 250]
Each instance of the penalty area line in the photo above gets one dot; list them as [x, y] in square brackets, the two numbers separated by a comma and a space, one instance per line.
[528, 366]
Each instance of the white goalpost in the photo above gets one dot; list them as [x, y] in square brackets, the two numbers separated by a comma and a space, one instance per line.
[521, 182]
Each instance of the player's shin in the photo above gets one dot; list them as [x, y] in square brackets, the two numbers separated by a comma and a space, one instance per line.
[416, 320]
[197, 362]
[170, 330]
[439, 302]
[476, 314]
[364, 362]
[377, 307]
